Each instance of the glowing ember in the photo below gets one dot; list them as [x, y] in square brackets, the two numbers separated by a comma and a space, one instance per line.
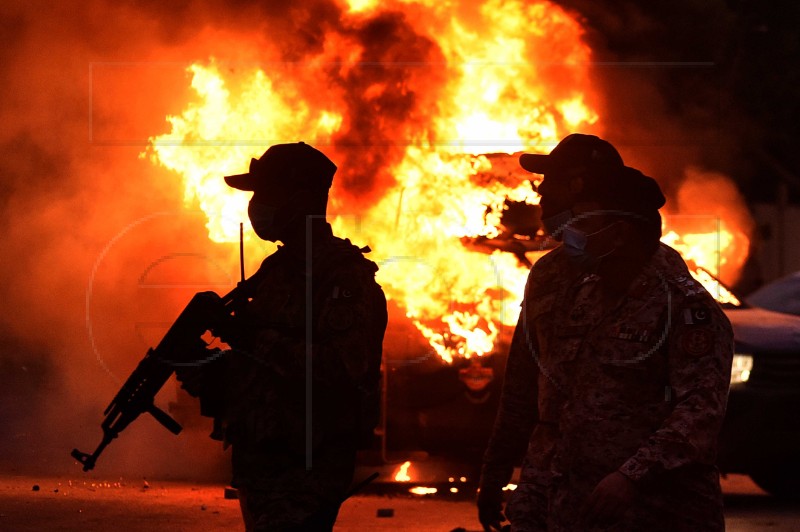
[422, 490]
[402, 473]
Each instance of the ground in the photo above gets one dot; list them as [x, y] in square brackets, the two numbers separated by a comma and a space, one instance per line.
[73, 504]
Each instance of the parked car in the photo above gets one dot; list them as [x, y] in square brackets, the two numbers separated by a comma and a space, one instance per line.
[761, 433]
[782, 295]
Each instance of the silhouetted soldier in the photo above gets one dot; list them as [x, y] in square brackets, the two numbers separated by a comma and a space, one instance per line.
[294, 429]
[619, 368]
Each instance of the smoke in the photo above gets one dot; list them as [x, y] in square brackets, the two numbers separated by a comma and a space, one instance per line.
[713, 196]
[70, 187]
[383, 110]
[100, 251]
[666, 74]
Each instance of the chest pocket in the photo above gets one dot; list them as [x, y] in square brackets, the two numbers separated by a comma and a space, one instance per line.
[633, 341]
[629, 347]
[540, 316]
[558, 340]
[569, 339]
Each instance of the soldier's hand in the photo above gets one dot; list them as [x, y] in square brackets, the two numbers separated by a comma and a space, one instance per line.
[191, 378]
[232, 330]
[490, 508]
[609, 501]
[192, 375]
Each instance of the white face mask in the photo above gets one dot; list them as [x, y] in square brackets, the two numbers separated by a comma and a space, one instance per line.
[554, 225]
[576, 241]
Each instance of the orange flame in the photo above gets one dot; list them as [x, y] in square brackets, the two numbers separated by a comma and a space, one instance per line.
[515, 78]
[402, 473]
[498, 100]
[423, 490]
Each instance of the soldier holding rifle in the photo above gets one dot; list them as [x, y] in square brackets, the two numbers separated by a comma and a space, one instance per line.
[298, 392]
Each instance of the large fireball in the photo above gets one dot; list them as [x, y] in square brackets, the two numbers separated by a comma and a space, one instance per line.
[417, 105]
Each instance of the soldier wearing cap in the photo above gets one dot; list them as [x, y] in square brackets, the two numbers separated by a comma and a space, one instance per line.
[298, 392]
[618, 372]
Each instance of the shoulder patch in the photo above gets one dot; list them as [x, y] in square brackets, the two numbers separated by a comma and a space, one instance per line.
[698, 315]
[687, 285]
[697, 342]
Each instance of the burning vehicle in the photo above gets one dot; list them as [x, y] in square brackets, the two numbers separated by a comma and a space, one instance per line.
[425, 112]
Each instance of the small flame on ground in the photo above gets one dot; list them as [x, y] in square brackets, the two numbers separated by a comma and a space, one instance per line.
[422, 490]
[402, 473]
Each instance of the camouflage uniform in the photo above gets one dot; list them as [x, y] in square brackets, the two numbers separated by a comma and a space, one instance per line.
[640, 388]
[261, 397]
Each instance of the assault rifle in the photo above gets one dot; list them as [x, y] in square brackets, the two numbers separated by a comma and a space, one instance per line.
[182, 345]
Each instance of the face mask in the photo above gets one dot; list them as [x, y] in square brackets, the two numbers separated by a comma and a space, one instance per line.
[557, 223]
[263, 218]
[575, 242]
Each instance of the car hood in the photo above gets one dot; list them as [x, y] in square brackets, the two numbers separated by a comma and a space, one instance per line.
[764, 330]
[782, 295]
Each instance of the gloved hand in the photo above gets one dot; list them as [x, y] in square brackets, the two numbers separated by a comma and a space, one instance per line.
[191, 379]
[490, 507]
[192, 376]
[237, 331]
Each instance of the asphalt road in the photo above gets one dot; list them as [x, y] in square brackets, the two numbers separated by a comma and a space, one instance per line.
[59, 503]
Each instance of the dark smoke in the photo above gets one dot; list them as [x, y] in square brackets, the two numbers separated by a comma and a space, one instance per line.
[660, 66]
[384, 109]
[704, 82]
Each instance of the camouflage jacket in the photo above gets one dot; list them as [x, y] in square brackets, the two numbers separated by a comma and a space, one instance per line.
[329, 312]
[640, 388]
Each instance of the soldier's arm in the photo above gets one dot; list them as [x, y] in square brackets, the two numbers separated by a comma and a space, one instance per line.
[700, 354]
[517, 412]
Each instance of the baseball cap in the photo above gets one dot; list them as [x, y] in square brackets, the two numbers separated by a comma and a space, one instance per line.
[294, 165]
[574, 155]
[626, 189]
